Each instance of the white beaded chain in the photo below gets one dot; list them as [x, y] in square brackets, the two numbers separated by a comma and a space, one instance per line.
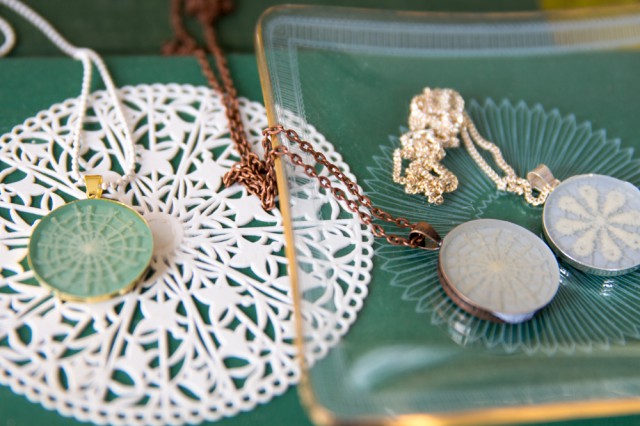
[9, 37]
[88, 58]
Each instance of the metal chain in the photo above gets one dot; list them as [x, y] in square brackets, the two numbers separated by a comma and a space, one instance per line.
[510, 182]
[88, 58]
[436, 119]
[422, 235]
[257, 175]
[434, 123]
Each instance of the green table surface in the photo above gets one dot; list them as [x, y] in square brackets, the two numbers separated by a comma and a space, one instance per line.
[33, 84]
[141, 26]
[30, 83]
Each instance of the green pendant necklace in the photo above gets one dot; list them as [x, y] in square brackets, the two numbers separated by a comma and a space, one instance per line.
[93, 249]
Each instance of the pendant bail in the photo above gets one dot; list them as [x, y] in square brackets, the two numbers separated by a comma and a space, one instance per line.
[93, 184]
[428, 238]
[542, 179]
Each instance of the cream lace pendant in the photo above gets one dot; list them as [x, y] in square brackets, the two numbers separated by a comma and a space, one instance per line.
[593, 223]
[90, 250]
[497, 270]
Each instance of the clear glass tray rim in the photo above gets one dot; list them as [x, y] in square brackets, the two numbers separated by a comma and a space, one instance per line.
[575, 27]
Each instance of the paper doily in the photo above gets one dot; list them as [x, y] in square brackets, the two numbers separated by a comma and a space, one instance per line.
[209, 332]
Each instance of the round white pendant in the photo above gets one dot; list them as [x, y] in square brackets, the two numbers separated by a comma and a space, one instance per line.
[593, 223]
[497, 270]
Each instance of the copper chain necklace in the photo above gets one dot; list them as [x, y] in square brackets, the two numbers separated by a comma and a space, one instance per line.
[257, 175]
[259, 178]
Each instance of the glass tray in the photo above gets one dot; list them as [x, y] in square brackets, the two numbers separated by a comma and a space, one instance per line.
[560, 88]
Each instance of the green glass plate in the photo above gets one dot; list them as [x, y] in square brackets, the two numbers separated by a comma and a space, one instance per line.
[566, 91]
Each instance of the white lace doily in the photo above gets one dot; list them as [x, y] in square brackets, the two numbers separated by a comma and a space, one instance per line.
[209, 332]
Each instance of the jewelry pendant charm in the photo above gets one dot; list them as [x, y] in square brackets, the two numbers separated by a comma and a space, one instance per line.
[90, 250]
[497, 270]
[593, 223]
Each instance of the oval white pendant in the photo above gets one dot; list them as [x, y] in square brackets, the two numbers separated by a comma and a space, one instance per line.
[593, 223]
[497, 270]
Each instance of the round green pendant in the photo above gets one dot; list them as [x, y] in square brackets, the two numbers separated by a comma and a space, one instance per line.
[90, 250]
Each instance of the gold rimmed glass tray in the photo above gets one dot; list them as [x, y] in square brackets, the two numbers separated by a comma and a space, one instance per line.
[556, 88]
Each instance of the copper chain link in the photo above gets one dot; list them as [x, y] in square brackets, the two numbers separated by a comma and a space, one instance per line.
[258, 176]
